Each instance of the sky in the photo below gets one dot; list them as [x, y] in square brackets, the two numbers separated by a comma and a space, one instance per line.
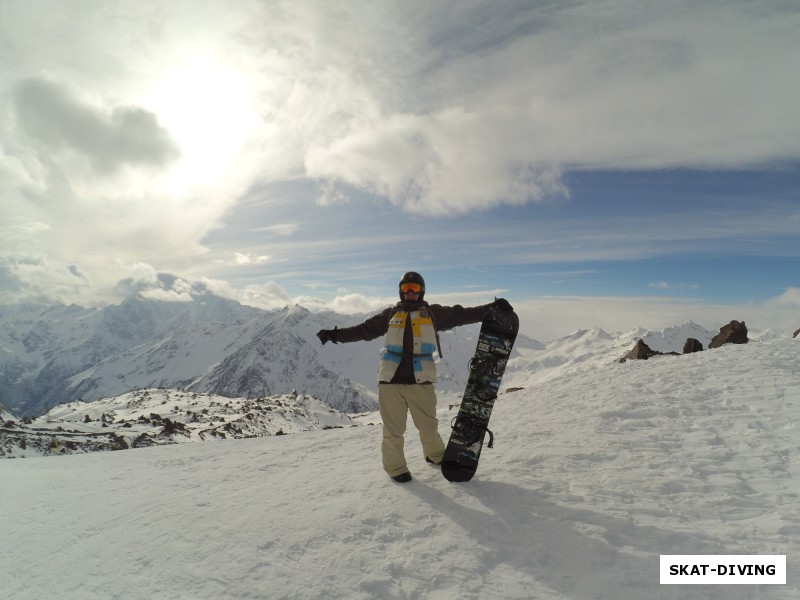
[598, 163]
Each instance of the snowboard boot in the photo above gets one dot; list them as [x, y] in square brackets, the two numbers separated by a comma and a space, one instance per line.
[402, 478]
[430, 462]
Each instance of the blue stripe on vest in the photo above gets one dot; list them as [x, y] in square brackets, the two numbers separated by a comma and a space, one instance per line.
[392, 357]
[427, 349]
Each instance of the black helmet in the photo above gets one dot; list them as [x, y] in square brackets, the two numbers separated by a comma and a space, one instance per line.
[412, 277]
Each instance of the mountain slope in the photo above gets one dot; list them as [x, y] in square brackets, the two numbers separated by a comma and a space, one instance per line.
[54, 355]
[596, 472]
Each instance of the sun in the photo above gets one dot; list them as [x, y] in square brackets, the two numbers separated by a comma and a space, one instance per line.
[208, 109]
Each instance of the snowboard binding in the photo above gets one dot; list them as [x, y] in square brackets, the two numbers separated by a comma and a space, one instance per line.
[471, 431]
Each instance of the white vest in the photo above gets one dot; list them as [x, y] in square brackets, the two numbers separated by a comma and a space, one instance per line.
[424, 334]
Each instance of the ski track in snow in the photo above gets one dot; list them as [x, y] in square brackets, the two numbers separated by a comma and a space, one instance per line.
[594, 474]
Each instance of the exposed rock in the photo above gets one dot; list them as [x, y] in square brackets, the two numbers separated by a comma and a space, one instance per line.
[172, 427]
[143, 441]
[641, 351]
[734, 332]
[692, 345]
[796, 333]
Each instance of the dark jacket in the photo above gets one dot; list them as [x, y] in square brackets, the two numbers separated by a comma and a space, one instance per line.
[444, 318]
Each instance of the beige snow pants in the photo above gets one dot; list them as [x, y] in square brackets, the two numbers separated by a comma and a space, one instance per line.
[395, 402]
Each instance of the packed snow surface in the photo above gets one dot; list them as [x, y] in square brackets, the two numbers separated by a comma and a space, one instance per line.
[598, 469]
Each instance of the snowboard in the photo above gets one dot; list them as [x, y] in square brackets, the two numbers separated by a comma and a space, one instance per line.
[486, 368]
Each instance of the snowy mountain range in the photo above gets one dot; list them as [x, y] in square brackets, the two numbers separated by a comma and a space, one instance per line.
[181, 375]
[52, 355]
[60, 354]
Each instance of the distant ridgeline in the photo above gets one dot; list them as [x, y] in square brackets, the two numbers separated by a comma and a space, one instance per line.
[734, 332]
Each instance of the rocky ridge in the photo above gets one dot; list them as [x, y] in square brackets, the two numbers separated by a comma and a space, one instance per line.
[156, 417]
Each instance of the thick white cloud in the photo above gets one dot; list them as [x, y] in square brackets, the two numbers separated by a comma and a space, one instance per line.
[442, 164]
[503, 107]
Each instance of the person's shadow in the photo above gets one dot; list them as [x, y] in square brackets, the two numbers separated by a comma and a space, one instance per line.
[578, 552]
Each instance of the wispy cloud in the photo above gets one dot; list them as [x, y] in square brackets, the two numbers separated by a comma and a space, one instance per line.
[281, 230]
[664, 286]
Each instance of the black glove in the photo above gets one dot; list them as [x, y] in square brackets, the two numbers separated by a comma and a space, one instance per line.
[328, 335]
[502, 304]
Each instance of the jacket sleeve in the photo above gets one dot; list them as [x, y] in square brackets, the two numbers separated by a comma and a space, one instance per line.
[447, 317]
[370, 329]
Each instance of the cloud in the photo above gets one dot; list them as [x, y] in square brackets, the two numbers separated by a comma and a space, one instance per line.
[280, 230]
[18, 231]
[34, 278]
[132, 132]
[247, 258]
[441, 164]
[167, 296]
[663, 285]
[146, 282]
[506, 99]
[88, 184]
[350, 304]
[108, 138]
[789, 298]
[19, 173]
[267, 296]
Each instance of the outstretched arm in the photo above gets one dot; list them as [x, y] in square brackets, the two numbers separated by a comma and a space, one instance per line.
[447, 317]
[368, 330]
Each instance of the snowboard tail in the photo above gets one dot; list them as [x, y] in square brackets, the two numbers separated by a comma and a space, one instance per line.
[470, 426]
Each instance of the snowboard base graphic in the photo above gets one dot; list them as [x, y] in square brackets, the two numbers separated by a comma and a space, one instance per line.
[470, 425]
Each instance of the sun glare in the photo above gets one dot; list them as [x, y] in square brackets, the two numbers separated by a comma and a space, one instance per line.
[207, 108]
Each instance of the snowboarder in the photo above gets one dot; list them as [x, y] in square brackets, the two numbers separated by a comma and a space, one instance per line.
[407, 370]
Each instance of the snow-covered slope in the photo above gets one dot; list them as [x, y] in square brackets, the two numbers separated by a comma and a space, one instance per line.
[54, 355]
[597, 470]
[5, 415]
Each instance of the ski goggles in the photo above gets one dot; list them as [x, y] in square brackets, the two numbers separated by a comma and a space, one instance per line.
[411, 287]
